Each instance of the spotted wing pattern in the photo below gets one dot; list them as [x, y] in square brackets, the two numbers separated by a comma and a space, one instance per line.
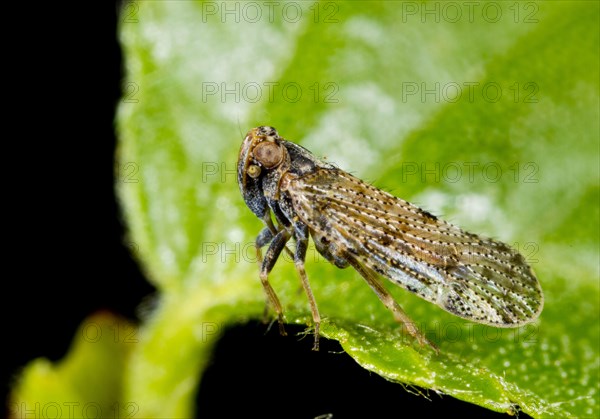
[476, 278]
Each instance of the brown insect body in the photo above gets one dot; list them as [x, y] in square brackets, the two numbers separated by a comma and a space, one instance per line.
[354, 223]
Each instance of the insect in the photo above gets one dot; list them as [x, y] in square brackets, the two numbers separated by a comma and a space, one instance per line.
[355, 224]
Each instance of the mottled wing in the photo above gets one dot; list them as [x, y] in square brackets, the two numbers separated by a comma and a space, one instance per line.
[472, 277]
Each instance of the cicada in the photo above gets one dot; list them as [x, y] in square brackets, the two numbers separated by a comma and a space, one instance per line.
[353, 223]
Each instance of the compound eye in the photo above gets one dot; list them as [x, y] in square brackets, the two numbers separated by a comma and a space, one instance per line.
[268, 153]
[253, 171]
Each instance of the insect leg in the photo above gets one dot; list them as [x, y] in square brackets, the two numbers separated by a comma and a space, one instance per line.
[387, 299]
[274, 230]
[269, 223]
[275, 248]
[301, 236]
[263, 238]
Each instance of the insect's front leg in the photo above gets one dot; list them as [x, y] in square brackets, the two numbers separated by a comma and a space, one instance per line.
[277, 245]
[274, 230]
[263, 238]
[301, 236]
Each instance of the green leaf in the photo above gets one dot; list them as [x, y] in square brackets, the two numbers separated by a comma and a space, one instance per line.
[489, 119]
[87, 383]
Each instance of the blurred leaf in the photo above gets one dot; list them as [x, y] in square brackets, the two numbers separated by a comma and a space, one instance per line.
[87, 383]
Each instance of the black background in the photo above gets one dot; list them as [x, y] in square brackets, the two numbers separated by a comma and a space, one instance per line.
[67, 259]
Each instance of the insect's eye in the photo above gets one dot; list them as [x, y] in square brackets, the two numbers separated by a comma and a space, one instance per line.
[253, 171]
[268, 153]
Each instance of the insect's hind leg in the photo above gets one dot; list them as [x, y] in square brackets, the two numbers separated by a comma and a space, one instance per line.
[277, 245]
[387, 299]
[301, 236]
